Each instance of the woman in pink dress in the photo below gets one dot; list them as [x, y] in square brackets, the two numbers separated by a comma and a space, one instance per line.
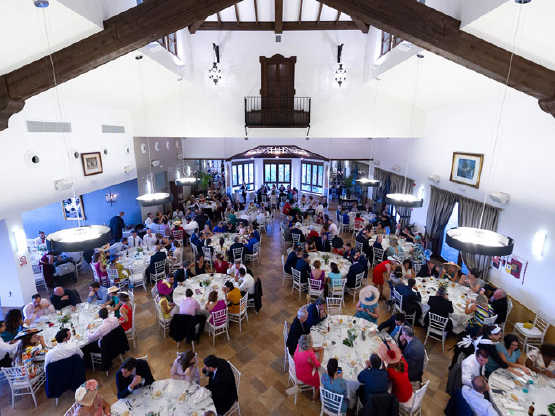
[214, 305]
[90, 402]
[99, 264]
[307, 360]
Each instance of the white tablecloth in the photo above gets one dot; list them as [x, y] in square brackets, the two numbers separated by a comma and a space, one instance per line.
[201, 292]
[427, 286]
[367, 218]
[137, 260]
[542, 393]
[177, 398]
[342, 263]
[407, 247]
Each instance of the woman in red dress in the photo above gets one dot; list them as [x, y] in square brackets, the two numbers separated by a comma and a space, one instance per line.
[397, 371]
[220, 264]
[126, 311]
[307, 360]
[380, 273]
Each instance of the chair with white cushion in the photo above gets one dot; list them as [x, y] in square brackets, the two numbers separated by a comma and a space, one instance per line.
[378, 256]
[358, 286]
[491, 320]
[286, 354]
[238, 254]
[437, 328]
[297, 282]
[72, 411]
[113, 277]
[414, 406]
[255, 255]
[219, 325]
[399, 307]
[39, 277]
[131, 333]
[21, 384]
[331, 403]
[208, 258]
[285, 275]
[137, 276]
[238, 317]
[334, 306]
[296, 239]
[235, 406]
[336, 289]
[315, 289]
[536, 334]
[300, 386]
[164, 323]
[159, 271]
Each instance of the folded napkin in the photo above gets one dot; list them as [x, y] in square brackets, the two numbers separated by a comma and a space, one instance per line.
[502, 382]
[509, 404]
[201, 394]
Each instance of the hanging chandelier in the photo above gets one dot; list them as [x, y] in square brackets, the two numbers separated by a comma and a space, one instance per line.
[340, 73]
[371, 183]
[215, 73]
[83, 238]
[476, 241]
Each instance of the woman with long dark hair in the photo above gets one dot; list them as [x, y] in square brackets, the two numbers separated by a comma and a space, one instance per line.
[185, 368]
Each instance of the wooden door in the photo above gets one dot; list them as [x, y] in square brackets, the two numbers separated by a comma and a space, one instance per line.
[278, 82]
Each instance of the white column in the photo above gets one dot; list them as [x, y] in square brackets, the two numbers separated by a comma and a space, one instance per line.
[18, 282]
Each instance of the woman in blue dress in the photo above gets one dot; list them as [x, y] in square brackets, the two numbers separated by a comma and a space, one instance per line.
[367, 306]
[333, 381]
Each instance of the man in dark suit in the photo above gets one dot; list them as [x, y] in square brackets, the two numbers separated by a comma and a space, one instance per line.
[414, 353]
[498, 302]
[297, 230]
[303, 265]
[393, 325]
[201, 219]
[116, 226]
[316, 312]
[221, 383]
[236, 244]
[196, 240]
[363, 238]
[132, 375]
[349, 253]
[357, 267]
[430, 269]
[292, 258]
[156, 257]
[323, 243]
[440, 305]
[64, 297]
[298, 327]
[411, 297]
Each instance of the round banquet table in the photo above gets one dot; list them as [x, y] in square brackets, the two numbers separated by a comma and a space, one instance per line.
[427, 286]
[542, 393]
[342, 263]
[166, 398]
[351, 359]
[306, 228]
[132, 259]
[367, 218]
[228, 241]
[201, 292]
[407, 247]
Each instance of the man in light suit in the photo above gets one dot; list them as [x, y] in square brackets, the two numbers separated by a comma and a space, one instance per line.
[414, 353]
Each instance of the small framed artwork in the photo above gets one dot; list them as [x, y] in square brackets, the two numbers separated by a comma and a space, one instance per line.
[467, 168]
[92, 163]
[73, 209]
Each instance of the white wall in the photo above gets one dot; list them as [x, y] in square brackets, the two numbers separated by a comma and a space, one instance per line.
[26, 186]
[523, 167]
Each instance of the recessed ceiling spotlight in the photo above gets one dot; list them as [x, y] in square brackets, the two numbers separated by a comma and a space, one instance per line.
[419, 55]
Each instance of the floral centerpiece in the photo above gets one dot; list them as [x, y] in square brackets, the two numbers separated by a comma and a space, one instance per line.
[206, 282]
[139, 249]
[351, 336]
[326, 258]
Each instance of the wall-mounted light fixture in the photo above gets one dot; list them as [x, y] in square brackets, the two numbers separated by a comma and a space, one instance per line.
[215, 73]
[434, 178]
[340, 72]
[111, 198]
[538, 244]
[20, 240]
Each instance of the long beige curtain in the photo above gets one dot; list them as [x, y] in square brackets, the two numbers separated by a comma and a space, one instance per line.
[397, 185]
[440, 208]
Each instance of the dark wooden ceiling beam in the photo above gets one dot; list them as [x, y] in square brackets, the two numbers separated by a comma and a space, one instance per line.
[122, 34]
[256, 11]
[237, 14]
[337, 18]
[441, 34]
[219, 18]
[361, 25]
[194, 27]
[279, 17]
[319, 13]
[301, 12]
[287, 26]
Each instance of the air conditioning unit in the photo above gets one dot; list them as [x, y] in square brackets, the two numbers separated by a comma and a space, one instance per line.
[434, 178]
[62, 184]
[500, 197]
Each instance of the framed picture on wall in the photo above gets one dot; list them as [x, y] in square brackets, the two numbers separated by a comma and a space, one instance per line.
[73, 209]
[467, 168]
[92, 163]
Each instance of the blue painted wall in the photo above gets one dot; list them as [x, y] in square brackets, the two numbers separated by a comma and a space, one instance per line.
[97, 211]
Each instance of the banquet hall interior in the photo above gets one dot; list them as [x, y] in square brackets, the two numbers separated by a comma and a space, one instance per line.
[277, 125]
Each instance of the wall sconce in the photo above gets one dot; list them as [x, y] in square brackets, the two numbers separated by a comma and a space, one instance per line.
[215, 73]
[538, 244]
[397, 168]
[500, 197]
[340, 73]
[20, 240]
[111, 198]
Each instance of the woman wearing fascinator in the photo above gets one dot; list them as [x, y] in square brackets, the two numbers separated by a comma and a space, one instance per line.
[90, 402]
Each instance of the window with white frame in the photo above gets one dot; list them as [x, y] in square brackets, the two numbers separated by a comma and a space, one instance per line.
[312, 177]
[242, 172]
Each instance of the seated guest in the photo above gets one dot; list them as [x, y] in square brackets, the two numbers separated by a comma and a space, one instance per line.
[220, 228]
[177, 254]
[374, 378]
[149, 239]
[298, 327]
[214, 305]
[40, 241]
[542, 360]
[117, 247]
[63, 349]
[27, 349]
[440, 305]
[397, 370]
[317, 274]
[472, 281]
[206, 231]
[490, 336]
[303, 265]
[246, 283]
[367, 305]
[474, 397]
[509, 353]
[236, 245]
[98, 294]
[481, 310]
[413, 352]
[235, 268]
[108, 324]
[155, 258]
[394, 248]
[297, 230]
[334, 275]
[167, 307]
[221, 382]
[307, 361]
[411, 297]
[474, 365]
[313, 233]
[378, 242]
[430, 269]
[134, 241]
[200, 264]
[498, 302]
[407, 270]
[250, 245]
[132, 375]
[349, 252]
[113, 303]
[100, 268]
[333, 381]
[126, 311]
[36, 308]
[196, 240]
[393, 325]
[233, 297]
[7, 349]
[14, 323]
[185, 368]
[64, 297]
[323, 243]
[189, 305]
[220, 264]
[90, 402]
[358, 267]
[310, 246]
[292, 258]
[451, 271]
[316, 312]
[363, 237]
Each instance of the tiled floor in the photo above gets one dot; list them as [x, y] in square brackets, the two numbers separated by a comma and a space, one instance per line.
[257, 351]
